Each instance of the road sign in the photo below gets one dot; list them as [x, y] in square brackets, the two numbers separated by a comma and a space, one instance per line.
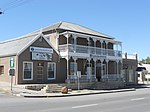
[12, 72]
[79, 74]
[11, 62]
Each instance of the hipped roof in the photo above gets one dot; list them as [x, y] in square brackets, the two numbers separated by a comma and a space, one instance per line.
[75, 28]
[14, 46]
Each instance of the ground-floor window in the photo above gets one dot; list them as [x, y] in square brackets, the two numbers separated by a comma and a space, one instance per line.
[1, 70]
[51, 70]
[27, 70]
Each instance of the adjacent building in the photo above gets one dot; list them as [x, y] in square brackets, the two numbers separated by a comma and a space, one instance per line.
[61, 53]
[130, 64]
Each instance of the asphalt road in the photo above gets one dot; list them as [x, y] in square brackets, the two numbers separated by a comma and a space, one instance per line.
[131, 101]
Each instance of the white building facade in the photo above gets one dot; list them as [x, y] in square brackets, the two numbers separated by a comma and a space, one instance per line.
[96, 56]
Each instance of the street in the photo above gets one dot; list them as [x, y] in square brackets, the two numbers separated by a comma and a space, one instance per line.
[131, 101]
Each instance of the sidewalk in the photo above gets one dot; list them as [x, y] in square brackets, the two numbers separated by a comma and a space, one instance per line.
[21, 91]
[75, 93]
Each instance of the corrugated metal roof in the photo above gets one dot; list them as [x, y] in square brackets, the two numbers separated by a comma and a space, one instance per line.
[51, 27]
[76, 28]
[12, 47]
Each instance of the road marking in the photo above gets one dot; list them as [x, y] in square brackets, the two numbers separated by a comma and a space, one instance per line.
[82, 106]
[136, 99]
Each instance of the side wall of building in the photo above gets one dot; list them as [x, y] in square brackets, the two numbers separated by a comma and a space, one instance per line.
[5, 66]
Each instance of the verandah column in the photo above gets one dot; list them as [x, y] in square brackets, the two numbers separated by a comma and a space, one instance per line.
[95, 67]
[102, 68]
[75, 65]
[94, 45]
[75, 41]
[67, 35]
[107, 61]
[107, 51]
[89, 69]
[117, 61]
[117, 66]
[67, 58]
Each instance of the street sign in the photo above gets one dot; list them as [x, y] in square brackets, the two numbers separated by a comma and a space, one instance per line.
[79, 74]
[11, 62]
[12, 72]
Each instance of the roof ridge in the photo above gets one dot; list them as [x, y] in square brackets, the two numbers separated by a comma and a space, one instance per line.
[52, 24]
[105, 35]
[18, 38]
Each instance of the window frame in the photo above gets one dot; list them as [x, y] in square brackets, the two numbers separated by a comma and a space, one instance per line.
[31, 71]
[54, 71]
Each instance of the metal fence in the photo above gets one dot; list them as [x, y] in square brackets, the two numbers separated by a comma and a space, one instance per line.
[112, 77]
[83, 78]
[92, 78]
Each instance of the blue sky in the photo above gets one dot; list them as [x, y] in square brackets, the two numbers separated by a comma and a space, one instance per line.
[126, 20]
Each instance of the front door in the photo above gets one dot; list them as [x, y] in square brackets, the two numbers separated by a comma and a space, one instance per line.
[39, 73]
[89, 71]
[100, 71]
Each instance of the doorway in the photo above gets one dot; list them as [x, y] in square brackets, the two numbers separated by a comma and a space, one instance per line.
[40, 73]
[100, 71]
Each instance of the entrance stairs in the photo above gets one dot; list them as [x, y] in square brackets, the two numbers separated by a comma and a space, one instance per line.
[52, 88]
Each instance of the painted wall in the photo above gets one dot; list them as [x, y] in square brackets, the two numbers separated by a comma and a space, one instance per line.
[26, 56]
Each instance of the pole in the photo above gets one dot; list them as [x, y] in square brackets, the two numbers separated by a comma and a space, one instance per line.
[78, 76]
[78, 84]
[11, 83]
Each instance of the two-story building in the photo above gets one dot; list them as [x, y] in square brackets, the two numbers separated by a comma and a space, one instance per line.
[56, 53]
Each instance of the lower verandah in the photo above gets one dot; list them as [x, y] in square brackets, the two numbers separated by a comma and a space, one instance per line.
[93, 70]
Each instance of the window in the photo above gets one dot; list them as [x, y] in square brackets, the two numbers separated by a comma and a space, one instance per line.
[1, 70]
[51, 69]
[27, 70]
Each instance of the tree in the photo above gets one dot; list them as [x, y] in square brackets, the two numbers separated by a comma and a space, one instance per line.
[146, 61]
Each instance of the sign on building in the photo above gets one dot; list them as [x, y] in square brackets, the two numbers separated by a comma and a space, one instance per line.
[39, 53]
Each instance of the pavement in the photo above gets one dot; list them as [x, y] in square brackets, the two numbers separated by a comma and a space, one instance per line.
[19, 90]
